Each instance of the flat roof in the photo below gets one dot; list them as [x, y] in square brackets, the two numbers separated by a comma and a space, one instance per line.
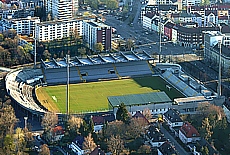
[139, 99]
[188, 99]
[97, 59]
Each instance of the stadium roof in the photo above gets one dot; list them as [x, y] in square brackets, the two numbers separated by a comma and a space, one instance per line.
[97, 59]
[139, 99]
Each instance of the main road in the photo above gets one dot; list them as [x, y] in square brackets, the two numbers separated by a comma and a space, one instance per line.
[148, 39]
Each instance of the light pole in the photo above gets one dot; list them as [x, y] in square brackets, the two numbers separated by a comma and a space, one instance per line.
[67, 86]
[219, 70]
[160, 36]
[25, 118]
[35, 47]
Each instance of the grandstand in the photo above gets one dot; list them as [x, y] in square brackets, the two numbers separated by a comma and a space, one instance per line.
[179, 84]
[21, 91]
[97, 68]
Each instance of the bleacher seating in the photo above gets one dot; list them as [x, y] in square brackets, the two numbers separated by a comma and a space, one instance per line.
[133, 68]
[96, 72]
[179, 84]
[20, 91]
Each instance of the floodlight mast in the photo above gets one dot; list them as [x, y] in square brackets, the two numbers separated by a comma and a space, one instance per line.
[67, 85]
[219, 69]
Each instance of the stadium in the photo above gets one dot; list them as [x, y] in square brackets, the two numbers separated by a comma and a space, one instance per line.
[99, 83]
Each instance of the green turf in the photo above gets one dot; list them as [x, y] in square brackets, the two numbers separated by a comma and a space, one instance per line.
[88, 97]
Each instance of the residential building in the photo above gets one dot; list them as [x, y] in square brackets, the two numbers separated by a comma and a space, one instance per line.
[188, 3]
[226, 108]
[166, 149]
[188, 133]
[192, 36]
[212, 49]
[95, 32]
[99, 121]
[174, 34]
[23, 26]
[47, 31]
[173, 119]
[155, 24]
[32, 4]
[156, 8]
[62, 9]
[147, 20]
[210, 18]
[76, 145]
[168, 30]
[140, 116]
[57, 133]
[154, 136]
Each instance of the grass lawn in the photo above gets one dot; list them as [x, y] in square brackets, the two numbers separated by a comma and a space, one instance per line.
[88, 97]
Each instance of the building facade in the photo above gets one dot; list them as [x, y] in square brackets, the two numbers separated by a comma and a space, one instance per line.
[23, 26]
[95, 32]
[47, 31]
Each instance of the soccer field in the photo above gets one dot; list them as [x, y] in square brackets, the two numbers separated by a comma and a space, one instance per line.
[92, 96]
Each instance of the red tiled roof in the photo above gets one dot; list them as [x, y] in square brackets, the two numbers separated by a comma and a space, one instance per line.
[98, 120]
[189, 131]
[58, 129]
[138, 114]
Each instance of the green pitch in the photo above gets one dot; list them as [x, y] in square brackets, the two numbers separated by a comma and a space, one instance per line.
[92, 96]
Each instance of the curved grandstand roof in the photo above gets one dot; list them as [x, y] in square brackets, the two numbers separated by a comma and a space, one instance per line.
[99, 59]
[139, 99]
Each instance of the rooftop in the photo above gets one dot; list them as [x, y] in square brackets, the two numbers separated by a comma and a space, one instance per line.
[97, 59]
[139, 99]
[189, 131]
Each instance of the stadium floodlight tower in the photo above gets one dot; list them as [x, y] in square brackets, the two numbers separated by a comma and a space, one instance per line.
[67, 85]
[219, 69]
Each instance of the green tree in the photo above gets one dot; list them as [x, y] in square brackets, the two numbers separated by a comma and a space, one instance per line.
[99, 47]
[84, 129]
[122, 114]
[112, 4]
[9, 146]
[19, 140]
[91, 125]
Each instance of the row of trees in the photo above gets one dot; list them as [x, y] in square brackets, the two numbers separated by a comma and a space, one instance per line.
[110, 4]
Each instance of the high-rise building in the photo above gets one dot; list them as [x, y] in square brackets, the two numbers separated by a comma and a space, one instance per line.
[62, 9]
[95, 32]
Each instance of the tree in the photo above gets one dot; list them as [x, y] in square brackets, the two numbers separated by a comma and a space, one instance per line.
[74, 123]
[112, 4]
[135, 128]
[99, 47]
[49, 120]
[144, 149]
[122, 114]
[204, 150]
[19, 140]
[129, 44]
[147, 113]
[82, 51]
[206, 129]
[114, 128]
[115, 144]
[44, 150]
[7, 120]
[84, 129]
[9, 146]
[89, 144]
[46, 54]
[91, 125]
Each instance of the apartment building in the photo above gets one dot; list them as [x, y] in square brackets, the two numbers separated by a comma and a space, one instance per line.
[23, 26]
[47, 31]
[95, 32]
[212, 47]
[19, 13]
[191, 2]
[62, 9]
